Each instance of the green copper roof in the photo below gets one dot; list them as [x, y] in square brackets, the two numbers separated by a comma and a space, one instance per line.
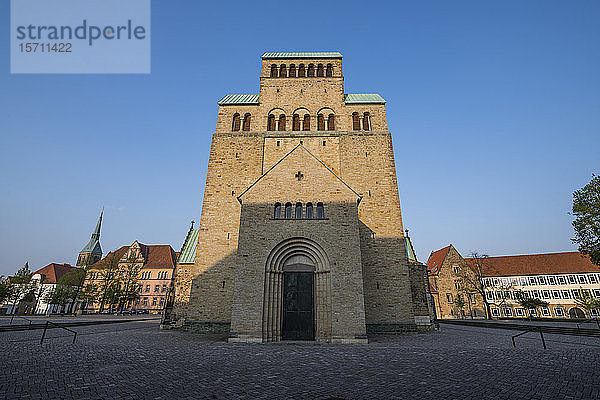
[239, 99]
[93, 245]
[364, 98]
[410, 251]
[303, 54]
[188, 250]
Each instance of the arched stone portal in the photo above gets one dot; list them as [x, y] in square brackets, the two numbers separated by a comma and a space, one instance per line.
[297, 262]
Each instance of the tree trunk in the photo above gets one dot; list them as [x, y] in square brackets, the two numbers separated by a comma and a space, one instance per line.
[488, 310]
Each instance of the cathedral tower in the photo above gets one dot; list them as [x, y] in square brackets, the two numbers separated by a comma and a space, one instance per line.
[92, 252]
[301, 232]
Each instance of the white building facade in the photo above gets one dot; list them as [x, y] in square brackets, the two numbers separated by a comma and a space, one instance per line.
[560, 279]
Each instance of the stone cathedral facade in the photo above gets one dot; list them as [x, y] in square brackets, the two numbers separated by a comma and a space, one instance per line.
[301, 234]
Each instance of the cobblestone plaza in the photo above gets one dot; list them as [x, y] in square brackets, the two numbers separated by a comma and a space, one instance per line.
[138, 361]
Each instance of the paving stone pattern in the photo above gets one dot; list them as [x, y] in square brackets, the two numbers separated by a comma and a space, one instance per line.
[138, 361]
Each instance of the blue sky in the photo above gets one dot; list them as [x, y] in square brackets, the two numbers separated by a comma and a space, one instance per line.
[493, 108]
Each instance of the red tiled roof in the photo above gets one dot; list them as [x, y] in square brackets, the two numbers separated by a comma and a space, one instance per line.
[155, 256]
[117, 254]
[537, 264]
[159, 256]
[53, 272]
[436, 258]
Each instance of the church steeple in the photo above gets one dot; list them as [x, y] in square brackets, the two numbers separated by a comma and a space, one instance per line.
[96, 234]
[92, 252]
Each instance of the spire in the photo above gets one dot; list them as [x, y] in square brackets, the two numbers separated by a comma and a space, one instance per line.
[92, 251]
[96, 234]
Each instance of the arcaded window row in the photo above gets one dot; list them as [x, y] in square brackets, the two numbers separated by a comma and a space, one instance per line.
[301, 71]
[324, 123]
[302, 122]
[297, 212]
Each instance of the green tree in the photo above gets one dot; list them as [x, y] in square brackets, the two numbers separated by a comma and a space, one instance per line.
[72, 282]
[61, 295]
[5, 289]
[20, 287]
[67, 289]
[587, 301]
[586, 210]
[88, 295]
[530, 303]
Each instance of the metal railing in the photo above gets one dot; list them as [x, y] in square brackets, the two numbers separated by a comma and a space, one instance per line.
[528, 331]
[59, 326]
[589, 320]
[17, 316]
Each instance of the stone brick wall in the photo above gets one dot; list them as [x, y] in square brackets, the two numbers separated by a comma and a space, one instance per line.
[337, 235]
[363, 159]
[443, 283]
[367, 165]
[421, 297]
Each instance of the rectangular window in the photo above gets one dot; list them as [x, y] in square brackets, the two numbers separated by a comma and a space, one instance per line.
[515, 295]
[594, 312]
[163, 288]
[581, 279]
[536, 294]
[520, 312]
[156, 288]
[507, 312]
[495, 312]
[449, 297]
[545, 312]
[566, 294]
[532, 280]
[597, 293]
[523, 281]
[533, 312]
[145, 301]
[575, 293]
[552, 280]
[545, 294]
[161, 302]
[555, 294]
[572, 279]
[561, 280]
[559, 312]
[154, 301]
[489, 295]
[147, 289]
[455, 268]
[541, 280]
[592, 278]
